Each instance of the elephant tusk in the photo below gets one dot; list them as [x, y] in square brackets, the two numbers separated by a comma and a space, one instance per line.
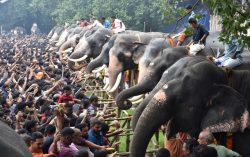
[135, 98]
[106, 86]
[138, 101]
[78, 60]
[51, 49]
[67, 50]
[117, 83]
[58, 44]
[99, 69]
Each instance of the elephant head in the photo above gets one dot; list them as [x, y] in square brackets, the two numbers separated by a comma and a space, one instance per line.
[62, 38]
[89, 47]
[193, 96]
[103, 58]
[56, 35]
[125, 54]
[150, 74]
[68, 46]
[52, 32]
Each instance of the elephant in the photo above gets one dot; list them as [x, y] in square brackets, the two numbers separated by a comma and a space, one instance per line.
[52, 32]
[103, 59]
[76, 30]
[125, 54]
[56, 35]
[192, 95]
[159, 64]
[72, 42]
[89, 47]
[212, 41]
[11, 143]
[63, 37]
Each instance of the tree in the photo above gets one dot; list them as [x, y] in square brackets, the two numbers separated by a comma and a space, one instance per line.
[234, 15]
[47, 13]
[234, 18]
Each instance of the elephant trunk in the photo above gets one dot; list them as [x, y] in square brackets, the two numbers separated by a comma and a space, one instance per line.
[94, 64]
[141, 88]
[156, 114]
[62, 48]
[139, 110]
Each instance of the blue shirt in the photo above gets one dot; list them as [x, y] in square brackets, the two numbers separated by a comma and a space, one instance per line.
[198, 33]
[106, 24]
[96, 138]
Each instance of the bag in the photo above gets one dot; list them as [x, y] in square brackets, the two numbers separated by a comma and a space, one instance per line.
[195, 48]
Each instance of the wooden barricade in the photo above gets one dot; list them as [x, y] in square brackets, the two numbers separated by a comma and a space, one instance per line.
[123, 117]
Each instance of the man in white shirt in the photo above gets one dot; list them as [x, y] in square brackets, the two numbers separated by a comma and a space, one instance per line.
[96, 23]
[117, 25]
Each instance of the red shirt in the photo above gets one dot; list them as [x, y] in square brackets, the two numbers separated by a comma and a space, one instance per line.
[65, 98]
[84, 23]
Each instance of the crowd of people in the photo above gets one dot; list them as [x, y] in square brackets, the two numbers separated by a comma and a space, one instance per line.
[116, 25]
[46, 104]
[205, 146]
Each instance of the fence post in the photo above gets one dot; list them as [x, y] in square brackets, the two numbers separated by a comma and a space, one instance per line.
[128, 135]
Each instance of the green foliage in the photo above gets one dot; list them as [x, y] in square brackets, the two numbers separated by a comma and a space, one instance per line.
[234, 18]
[47, 13]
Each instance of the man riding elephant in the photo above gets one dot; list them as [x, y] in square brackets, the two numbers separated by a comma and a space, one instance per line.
[199, 37]
[232, 55]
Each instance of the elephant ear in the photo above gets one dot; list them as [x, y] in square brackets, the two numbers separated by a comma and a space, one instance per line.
[227, 111]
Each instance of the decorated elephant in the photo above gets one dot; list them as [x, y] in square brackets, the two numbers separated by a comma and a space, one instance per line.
[12, 145]
[192, 95]
[88, 47]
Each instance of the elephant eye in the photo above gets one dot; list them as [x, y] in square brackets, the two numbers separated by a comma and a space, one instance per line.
[121, 56]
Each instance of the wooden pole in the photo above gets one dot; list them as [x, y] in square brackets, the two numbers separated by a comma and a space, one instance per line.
[128, 135]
